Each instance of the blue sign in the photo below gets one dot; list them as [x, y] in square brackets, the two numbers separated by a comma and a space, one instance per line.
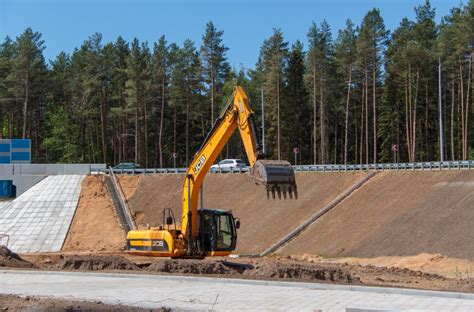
[15, 151]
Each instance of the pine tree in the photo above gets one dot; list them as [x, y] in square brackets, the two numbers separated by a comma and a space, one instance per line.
[319, 63]
[371, 41]
[161, 69]
[136, 91]
[28, 66]
[215, 67]
[185, 98]
[118, 104]
[271, 64]
[345, 61]
[7, 97]
[296, 110]
[60, 141]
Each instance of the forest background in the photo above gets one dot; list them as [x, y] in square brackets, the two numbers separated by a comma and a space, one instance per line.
[368, 95]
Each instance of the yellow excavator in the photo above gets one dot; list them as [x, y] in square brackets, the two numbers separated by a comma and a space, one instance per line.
[206, 232]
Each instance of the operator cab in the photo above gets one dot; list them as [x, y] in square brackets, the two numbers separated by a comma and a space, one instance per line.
[217, 230]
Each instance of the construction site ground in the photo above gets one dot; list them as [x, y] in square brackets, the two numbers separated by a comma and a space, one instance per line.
[400, 229]
[267, 268]
[34, 303]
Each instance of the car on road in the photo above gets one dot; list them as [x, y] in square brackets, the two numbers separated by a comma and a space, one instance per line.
[129, 165]
[229, 164]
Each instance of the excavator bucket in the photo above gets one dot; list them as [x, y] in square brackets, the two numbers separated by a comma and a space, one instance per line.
[277, 176]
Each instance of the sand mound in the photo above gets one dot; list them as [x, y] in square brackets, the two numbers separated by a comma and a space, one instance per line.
[10, 259]
[398, 214]
[95, 226]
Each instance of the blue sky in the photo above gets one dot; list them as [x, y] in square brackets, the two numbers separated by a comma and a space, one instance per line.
[65, 24]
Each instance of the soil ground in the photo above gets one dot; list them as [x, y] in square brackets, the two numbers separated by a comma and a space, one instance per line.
[274, 268]
[95, 226]
[39, 304]
[263, 220]
[426, 263]
[397, 214]
[129, 184]
[12, 260]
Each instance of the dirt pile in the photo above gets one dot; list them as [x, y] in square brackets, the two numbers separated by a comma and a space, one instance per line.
[397, 214]
[254, 269]
[427, 263]
[10, 259]
[29, 303]
[96, 263]
[274, 268]
[263, 269]
[191, 266]
[263, 220]
[95, 226]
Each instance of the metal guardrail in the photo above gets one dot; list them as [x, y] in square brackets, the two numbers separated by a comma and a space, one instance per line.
[119, 202]
[173, 170]
[429, 165]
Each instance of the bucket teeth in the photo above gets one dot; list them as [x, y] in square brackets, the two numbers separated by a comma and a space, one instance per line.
[279, 190]
[277, 176]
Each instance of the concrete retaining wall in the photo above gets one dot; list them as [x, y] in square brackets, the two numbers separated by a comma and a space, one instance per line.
[25, 176]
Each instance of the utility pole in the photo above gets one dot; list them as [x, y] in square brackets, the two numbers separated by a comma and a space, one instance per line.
[263, 123]
[441, 143]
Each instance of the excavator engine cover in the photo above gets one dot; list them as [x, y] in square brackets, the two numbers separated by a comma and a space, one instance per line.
[278, 176]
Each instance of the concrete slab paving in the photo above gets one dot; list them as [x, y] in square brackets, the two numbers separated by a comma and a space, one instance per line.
[39, 219]
[5, 203]
[214, 294]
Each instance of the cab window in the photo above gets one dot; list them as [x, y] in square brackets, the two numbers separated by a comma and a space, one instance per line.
[224, 232]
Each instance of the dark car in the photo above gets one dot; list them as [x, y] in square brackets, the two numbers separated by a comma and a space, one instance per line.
[129, 165]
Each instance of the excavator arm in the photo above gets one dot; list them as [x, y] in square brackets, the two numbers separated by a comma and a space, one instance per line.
[236, 114]
[213, 232]
[275, 175]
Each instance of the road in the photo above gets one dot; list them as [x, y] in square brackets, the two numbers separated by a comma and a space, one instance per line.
[219, 294]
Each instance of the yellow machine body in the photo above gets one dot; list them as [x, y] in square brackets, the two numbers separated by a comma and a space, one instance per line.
[156, 242]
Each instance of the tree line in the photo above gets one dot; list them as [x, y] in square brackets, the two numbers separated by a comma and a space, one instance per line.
[367, 96]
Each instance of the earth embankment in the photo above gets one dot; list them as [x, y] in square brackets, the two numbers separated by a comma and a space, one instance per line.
[263, 220]
[397, 214]
[95, 226]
